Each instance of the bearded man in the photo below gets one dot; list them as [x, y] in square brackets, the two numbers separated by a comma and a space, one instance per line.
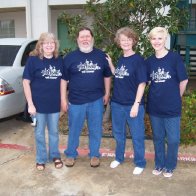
[87, 78]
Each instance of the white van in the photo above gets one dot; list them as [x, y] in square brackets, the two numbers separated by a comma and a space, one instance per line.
[13, 55]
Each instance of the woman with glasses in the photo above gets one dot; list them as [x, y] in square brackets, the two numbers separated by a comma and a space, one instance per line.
[41, 81]
[127, 102]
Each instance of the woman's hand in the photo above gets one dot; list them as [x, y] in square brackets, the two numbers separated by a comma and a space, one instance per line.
[109, 59]
[134, 110]
[32, 110]
[110, 63]
[64, 106]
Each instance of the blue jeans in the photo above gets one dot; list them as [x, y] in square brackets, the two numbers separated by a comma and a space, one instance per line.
[93, 113]
[121, 115]
[51, 121]
[166, 130]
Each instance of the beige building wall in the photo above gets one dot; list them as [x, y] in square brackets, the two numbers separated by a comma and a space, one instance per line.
[66, 2]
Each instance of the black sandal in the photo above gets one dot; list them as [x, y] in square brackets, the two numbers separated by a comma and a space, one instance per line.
[40, 166]
[57, 163]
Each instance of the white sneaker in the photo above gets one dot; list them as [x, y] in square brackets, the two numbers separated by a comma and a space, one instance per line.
[157, 171]
[138, 170]
[168, 173]
[114, 164]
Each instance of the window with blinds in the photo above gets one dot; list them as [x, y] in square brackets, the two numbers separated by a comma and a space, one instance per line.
[7, 28]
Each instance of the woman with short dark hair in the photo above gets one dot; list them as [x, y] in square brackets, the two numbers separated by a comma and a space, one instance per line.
[127, 102]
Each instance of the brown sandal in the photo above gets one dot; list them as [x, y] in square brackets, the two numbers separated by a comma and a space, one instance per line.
[57, 163]
[40, 166]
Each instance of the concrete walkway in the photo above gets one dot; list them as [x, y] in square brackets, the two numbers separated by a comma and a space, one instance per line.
[19, 176]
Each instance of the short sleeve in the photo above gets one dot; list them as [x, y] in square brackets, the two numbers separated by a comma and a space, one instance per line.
[28, 70]
[181, 69]
[141, 71]
[65, 74]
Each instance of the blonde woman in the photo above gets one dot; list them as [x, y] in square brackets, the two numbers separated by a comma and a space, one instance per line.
[168, 80]
[41, 81]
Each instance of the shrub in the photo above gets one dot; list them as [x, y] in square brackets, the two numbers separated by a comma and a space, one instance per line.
[188, 121]
[140, 15]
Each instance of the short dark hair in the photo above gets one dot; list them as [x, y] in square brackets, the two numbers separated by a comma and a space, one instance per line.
[85, 28]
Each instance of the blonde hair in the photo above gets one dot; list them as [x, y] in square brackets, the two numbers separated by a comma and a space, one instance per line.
[38, 51]
[128, 32]
[157, 30]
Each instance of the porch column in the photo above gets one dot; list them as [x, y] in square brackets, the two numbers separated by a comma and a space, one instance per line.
[40, 15]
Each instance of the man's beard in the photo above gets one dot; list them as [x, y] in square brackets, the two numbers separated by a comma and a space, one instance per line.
[86, 49]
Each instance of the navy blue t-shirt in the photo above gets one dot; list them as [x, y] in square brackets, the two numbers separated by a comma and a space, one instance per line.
[45, 75]
[129, 73]
[85, 73]
[165, 75]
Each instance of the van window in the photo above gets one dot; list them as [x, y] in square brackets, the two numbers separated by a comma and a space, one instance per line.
[30, 47]
[8, 54]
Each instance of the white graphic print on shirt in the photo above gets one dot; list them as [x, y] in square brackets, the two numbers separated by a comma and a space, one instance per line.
[121, 72]
[88, 67]
[160, 76]
[51, 73]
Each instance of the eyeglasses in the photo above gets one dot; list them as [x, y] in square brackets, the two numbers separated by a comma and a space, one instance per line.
[48, 43]
[126, 40]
